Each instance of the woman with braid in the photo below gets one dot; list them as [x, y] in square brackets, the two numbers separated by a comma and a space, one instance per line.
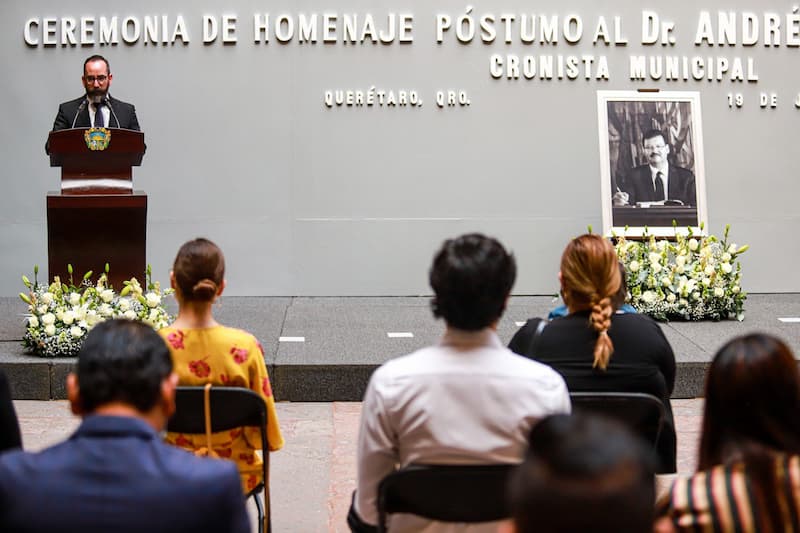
[597, 349]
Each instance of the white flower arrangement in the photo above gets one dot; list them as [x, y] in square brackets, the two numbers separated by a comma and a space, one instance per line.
[690, 278]
[61, 314]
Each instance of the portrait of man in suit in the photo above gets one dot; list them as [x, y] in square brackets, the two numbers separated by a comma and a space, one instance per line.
[651, 152]
[658, 180]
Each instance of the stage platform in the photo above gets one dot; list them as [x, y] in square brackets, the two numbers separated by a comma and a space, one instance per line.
[323, 349]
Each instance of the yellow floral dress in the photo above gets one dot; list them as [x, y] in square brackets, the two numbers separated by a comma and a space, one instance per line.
[231, 357]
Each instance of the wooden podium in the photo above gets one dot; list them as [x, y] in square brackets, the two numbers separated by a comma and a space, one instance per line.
[97, 217]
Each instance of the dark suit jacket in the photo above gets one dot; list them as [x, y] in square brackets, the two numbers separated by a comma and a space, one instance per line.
[123, 116]
[639, 185]
[115, 474]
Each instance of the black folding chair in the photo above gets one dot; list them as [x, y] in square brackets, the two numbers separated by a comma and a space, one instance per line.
[446, 493]
[231, 407]
[642, 413]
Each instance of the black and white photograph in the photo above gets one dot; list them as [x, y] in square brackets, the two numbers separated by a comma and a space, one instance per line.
[651, 160]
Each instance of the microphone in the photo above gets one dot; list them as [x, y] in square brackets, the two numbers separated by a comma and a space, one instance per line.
[78, 112]
[107, 100]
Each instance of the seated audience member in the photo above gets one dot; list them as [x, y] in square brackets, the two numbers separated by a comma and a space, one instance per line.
[583, 473]
[748, 477]
[619, 303]
[115, 474]
[10, 437]
[465, 400]
[205, 351]
[596, 349]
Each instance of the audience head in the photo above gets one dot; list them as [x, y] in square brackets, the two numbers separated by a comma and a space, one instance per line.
[198, 272]
[590, 280]
[583, 473]
[471, 278]
[122, 362]
[752, 401]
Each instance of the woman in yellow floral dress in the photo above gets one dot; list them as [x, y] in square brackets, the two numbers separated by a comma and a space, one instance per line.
[204, 351]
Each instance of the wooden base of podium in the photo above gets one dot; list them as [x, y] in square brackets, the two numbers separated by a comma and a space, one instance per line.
[88, 231]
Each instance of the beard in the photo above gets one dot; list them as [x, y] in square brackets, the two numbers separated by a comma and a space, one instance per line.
[96, 95]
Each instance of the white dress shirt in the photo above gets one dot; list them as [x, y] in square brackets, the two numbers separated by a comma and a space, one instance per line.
[466, 400]
[104, 110]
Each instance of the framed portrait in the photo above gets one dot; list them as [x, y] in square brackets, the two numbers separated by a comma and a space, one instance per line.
[651, 162]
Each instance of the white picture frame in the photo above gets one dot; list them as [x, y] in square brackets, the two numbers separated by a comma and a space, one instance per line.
[624, 117]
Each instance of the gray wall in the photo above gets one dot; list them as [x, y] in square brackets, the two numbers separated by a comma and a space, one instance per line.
[307, 200]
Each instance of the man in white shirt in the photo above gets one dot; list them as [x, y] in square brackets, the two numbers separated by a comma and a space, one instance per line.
[467, 399]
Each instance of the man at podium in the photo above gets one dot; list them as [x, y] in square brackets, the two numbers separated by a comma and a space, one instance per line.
[96, 108]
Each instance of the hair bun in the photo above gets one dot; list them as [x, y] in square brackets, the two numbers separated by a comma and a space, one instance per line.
[205, 289]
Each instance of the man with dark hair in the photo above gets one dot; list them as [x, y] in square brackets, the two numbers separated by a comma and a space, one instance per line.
[96, 108]
[466, 400]
[583, 473]
[658, 180]
[115, 473]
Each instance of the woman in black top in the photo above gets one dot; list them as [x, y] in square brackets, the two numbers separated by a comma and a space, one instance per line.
[596, 349]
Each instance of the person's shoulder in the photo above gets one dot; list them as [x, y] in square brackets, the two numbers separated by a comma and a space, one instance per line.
[237, 335]
[11, 459]
[525, 368]
[20, 464]
[398, 371]
[117, 102]
[635, 322]
[521, 368]
[677, 170]
[75, 102]
[639, 326]
[401, 365]
[529, 328]
[206, 480]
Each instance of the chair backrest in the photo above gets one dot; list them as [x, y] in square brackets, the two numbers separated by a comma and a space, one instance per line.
[231, 407]
[642, 413]
[446, 493]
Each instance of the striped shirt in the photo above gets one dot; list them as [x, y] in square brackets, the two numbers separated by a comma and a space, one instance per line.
[721, 500]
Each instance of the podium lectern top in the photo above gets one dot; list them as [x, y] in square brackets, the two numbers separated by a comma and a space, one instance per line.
[96, 171]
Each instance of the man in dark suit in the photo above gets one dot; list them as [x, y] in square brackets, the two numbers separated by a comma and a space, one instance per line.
[115, 473]
[658, 180]
[96, 108]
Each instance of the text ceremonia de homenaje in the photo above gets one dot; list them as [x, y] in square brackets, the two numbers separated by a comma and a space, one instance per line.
[536, 46]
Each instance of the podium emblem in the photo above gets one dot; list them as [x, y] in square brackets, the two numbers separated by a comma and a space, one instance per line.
[97, 138]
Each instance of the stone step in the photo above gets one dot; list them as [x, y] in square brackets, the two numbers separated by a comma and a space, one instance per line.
[345, 339]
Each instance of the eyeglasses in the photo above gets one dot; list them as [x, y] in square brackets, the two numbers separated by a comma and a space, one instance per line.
[92, 79]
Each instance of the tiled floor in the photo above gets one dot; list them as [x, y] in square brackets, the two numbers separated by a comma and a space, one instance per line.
[313, 476]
